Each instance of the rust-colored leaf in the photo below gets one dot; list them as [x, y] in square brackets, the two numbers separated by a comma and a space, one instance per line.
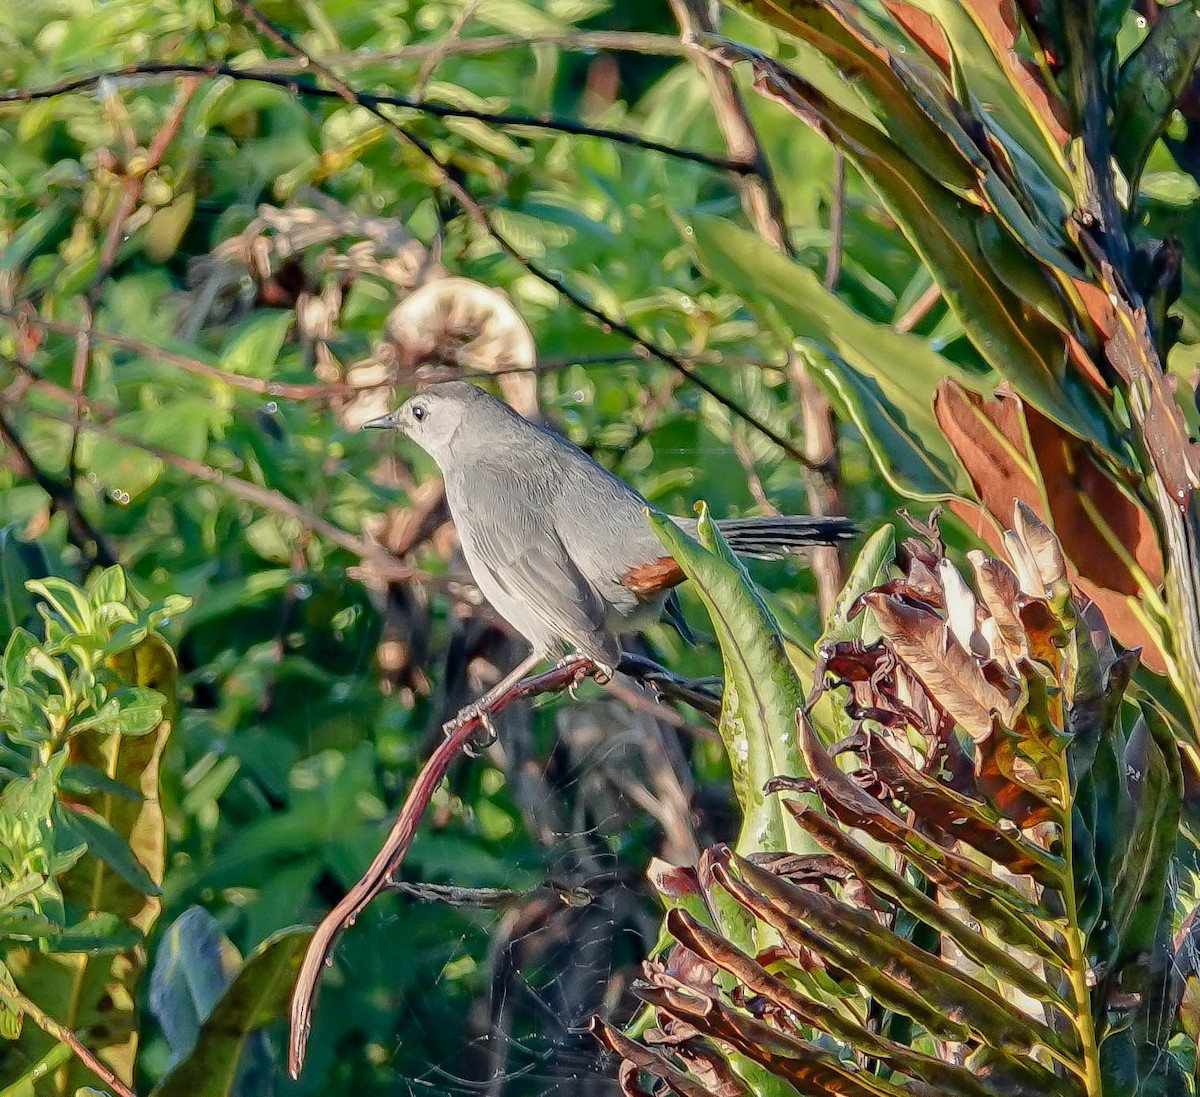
[988, 898]
[880, 878]
[999, 21]
[923, 29]
[644, 1059]
[956, 817]
[1012, 452]
[900, 974]
[1000, 592]
[949, 674]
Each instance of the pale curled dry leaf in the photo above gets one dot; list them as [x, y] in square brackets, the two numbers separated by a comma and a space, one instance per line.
[1043, 550]
[961, 609]
[999, 590]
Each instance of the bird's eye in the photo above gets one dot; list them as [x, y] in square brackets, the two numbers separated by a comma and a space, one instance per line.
[419, 412]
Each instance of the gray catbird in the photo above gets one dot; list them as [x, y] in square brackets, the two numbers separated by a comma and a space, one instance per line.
[557, 544]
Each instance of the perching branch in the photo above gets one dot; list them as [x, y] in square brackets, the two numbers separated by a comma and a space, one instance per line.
[381, 873]
[448, 184]
[372, 102]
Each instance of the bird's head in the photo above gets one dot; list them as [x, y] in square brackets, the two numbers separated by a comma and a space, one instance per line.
[434, 418]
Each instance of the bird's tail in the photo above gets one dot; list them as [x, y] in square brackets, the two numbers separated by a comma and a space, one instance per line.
[769, 538]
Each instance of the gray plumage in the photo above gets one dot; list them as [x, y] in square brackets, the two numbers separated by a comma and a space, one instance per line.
[548, 533]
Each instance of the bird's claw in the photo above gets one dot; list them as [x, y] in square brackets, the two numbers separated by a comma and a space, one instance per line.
[486, 735]
[584, 668]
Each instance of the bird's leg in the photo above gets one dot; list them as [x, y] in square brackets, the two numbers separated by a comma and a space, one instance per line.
[481, 709]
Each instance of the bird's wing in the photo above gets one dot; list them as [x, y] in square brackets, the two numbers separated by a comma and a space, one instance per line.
[548, 585]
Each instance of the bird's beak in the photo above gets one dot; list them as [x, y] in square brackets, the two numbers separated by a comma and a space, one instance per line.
[383, 422]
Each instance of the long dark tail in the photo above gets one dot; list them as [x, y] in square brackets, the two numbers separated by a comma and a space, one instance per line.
[772, 537]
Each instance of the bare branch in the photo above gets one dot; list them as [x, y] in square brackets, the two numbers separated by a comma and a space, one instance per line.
[372, 102]
[611, 41]
[382, 871]
[132, 185]
[268, 498]
[192, 365]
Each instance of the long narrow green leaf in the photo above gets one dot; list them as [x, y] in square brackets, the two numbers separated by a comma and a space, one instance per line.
[762, 690]
[885, 379]
[1012, 333]
[257, 996]
[1153, 78]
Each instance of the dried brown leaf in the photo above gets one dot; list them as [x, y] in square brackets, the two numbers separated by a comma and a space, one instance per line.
[950, 676]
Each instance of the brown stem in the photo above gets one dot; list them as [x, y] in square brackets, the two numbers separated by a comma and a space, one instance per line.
[381, 872]
[64, 1035]
[132, 185]
[919, 308]
[763, 205]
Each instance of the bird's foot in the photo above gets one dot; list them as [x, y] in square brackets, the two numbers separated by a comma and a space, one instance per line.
[481, 740]
[585, 668]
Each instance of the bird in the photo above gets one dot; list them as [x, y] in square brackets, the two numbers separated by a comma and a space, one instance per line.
[561, 547]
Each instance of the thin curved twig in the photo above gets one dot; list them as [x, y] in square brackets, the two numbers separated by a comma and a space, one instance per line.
[380, 874]
[282, 389]
[268, 498]
[372, 101]
[58, 1031]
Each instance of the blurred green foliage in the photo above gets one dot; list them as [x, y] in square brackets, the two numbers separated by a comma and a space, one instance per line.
[309, 683]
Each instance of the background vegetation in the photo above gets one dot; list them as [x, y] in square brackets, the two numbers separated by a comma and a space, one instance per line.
[207, 283]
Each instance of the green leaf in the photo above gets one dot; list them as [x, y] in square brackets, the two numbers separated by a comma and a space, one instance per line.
[254, 349]
[1152, 80]
[20, 561]
[33, 232]
[55, 1057]
[23, 922]
[994, 92]
[872, 567]
[67, 600]
[194, 964]
[17, 666]
[112, 888]
[83, 779]
[106, 844]
[10, 1017]
[258, 996]
[762, 690]
[108, 586]
[131, 710]
[1012, 333]
[886, 379]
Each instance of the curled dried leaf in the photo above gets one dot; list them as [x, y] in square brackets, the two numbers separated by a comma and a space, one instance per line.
[1044, 550]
